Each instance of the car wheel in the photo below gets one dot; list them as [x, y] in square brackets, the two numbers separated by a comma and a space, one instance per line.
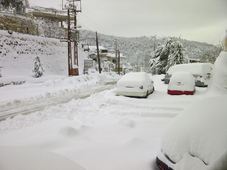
[147, 94]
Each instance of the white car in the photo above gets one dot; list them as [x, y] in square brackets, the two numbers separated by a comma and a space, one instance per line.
[181, 83]
[135, 84]
[197, 138]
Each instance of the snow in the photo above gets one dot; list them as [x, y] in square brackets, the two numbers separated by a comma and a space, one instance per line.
[47, 91]
[219, 82]
[194, 68]
[26, 158]
[182, 81]
[80, 120]
[199, 131]
[19, 51]
[102, 131]
[133, 79]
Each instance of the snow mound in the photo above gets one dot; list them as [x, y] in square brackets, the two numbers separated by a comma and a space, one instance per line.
[24, 158]
[219, 82]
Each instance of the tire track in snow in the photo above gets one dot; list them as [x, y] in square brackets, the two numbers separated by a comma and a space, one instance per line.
[40, 104]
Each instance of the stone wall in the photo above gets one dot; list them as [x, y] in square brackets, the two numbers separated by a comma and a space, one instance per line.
[32, 25]
[18, 23]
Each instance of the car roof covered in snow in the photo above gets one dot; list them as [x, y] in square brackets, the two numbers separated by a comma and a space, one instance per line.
[200, 131]
[182, 81]
[133, 78]
[194, 68]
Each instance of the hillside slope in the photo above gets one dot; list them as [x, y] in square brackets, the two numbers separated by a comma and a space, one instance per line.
[140, 48]
[18, 51]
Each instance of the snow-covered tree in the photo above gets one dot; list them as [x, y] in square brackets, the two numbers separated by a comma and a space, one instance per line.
[38, 69]
[175, 54]
[166, 56]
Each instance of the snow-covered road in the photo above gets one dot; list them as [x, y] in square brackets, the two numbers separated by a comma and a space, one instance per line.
[37, 94]
[103, 131]
[30, 106]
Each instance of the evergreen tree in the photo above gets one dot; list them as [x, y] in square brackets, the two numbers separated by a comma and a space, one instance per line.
[38, 69]
[175, 55]
[166, 56]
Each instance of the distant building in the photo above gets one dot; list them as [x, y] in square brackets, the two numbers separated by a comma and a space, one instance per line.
[108, 59]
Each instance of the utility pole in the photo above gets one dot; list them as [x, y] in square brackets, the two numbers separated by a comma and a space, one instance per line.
[116, 54]
[118, 61]
[98, 57]
[225, 41]
[77, 37]
[73, 7]
[69, 46]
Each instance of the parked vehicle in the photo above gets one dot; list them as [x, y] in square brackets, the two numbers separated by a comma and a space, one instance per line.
[201, 71]
[181, 83]
[135, 84]
[197, 138]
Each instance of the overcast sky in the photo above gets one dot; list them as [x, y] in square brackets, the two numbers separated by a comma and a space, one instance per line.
[200, 20]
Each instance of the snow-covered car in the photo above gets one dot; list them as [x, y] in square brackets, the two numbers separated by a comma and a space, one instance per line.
[135, 84]
[201, 71]
[181, 83]
[197, 138]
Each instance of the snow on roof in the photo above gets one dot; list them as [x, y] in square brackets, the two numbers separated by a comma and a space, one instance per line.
[194, 68]
[113, 55]
[199, 131]
[132, 78]
[94, 48]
